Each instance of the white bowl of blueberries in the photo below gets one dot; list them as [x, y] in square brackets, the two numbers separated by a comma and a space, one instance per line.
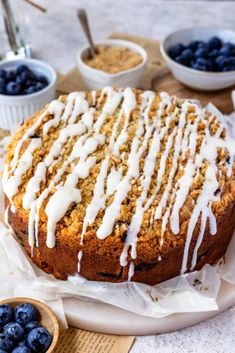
[26, 85]
[202, 58]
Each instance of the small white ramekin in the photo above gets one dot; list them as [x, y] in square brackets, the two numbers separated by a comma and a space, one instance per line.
[15, 109]
[95, 79]
[199, 80]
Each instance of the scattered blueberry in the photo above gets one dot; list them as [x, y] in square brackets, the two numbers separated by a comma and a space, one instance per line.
[39, 340]
[213, 55]
[31, 326]
[6, 314]
[16, 82]
[5, 343]
[14, 331]
[23, 349]
[25, 313]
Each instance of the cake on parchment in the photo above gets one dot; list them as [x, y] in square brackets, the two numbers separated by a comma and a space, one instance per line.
[121, 184]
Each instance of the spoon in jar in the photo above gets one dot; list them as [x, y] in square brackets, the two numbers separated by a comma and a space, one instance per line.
[82, 16]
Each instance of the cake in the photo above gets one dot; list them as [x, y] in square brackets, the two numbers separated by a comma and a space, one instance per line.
[121, 185]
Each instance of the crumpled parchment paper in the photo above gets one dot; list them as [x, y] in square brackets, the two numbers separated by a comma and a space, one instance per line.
[194, 292]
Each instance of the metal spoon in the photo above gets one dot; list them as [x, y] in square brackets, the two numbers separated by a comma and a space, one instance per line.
[82, 16]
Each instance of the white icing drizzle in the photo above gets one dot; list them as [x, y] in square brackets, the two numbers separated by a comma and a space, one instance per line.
[207, 195]
[80, 255]
[149, 165]
[93, 96]
[55, 108]
[124, 186]
[12, 183]
[76, 120]
[33, 185]
[80, 106]
[131, 271]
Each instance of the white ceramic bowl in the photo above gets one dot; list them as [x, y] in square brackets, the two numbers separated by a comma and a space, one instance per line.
[200, 80]
[95, 79]
[15, 109]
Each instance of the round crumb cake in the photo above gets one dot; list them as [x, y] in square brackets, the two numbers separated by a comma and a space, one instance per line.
[121, 184]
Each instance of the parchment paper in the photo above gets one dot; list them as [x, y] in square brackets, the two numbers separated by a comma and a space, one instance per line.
[192, 292]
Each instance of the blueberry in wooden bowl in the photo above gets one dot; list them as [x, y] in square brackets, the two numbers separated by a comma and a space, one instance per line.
[27, 326]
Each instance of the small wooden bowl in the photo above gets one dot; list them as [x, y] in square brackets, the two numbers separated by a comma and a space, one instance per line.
[47, 317]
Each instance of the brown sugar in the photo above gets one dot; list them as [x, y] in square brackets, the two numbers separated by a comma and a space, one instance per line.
[114, 59]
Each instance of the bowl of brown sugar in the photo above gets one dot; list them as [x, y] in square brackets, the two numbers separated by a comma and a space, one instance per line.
[117, 62]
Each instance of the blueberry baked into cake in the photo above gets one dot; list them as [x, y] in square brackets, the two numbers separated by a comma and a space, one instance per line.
[121, 184]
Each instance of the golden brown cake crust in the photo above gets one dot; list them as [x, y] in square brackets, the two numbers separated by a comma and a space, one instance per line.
[62, 260]
[156, 260]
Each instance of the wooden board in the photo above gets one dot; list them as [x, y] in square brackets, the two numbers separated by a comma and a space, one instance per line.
[157, 77]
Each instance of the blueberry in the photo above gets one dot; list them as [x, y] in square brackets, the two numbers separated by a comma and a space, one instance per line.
[2, 85]
[30, 83]
[194, 45]
[25, 313]
[6, 314]
[5, 343]
[2, 351]
[214, 53]
[13, 88]
[22, 68]
[31, 326]
[199, 67]
[227, 50]
[22, 349]
[203, 45]
[187, 55]
[3, 73]
[39, 86]
[39, 340]
[43, 79]
[214, 43]
[22, 78]
[179, 60]
[14, 331]
[176, 50]
[2, 82]
[201, 53]
[22, 343]
[10, 76]
[221, 62]
[30, 90]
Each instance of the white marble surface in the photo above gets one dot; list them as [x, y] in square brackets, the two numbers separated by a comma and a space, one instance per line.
[55, 38]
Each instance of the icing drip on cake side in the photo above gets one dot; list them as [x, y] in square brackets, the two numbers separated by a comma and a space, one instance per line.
[168, 134]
